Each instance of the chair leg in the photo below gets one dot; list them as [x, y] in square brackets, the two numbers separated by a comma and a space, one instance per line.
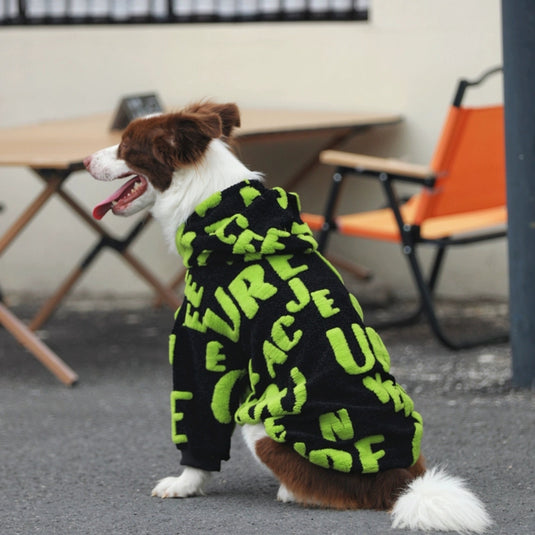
[427, 303]
[415, 316]
[435, 269]
[328, 224]
[410, 319]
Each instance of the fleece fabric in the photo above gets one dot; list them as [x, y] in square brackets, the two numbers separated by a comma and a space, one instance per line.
[268, 333]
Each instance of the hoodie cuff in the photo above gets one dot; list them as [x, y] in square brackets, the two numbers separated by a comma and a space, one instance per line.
[188, 459]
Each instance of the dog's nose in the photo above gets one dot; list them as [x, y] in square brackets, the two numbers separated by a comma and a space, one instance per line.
[87, 162]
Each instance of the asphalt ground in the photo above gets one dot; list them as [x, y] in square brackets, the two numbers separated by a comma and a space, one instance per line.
[83, 460]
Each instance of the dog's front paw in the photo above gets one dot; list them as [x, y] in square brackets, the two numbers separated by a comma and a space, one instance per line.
[189, 483]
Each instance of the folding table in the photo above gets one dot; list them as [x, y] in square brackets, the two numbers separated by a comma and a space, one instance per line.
[54, 150]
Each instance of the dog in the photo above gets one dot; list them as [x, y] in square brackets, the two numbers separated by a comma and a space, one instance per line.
[269, 338]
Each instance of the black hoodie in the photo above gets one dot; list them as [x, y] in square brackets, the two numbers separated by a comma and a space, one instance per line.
[268, 333]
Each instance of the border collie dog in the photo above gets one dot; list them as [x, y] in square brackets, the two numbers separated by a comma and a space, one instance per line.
[269, 338]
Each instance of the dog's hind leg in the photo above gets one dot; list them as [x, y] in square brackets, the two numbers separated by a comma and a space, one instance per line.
[251, 435]
[189, 483]
[284, 495]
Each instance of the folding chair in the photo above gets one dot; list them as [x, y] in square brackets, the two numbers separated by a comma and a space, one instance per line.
[461, 201]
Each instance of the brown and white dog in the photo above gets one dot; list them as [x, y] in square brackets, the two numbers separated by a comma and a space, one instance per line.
[175, 161]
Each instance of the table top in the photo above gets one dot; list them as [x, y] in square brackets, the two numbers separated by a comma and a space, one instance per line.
[65, 143]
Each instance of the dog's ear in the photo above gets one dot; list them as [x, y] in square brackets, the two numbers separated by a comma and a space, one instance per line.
[230, 117]
[229, 113]
[208, 124]
[185, 137]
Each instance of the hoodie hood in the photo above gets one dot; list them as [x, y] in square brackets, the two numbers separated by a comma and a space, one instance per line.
[243, 223]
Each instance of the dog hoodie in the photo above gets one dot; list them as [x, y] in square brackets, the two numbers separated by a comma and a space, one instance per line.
[267, 332]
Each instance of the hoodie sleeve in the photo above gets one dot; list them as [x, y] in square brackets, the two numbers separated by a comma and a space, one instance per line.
[206, 384]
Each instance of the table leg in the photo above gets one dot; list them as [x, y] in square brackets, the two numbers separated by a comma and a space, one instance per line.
[313, 162]
[165, 294]
[359, 272]
[13, 231]
[119, 245]
[173, 285]
[41, 351]
[53, 302]
[16, 327]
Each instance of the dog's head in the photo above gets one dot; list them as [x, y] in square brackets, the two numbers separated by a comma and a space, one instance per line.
[152, 149]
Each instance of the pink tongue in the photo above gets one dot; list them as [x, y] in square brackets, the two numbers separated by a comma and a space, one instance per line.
[100, 210]
[102, 207]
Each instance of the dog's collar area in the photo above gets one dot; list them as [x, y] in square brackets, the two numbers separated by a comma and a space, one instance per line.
[121, 198]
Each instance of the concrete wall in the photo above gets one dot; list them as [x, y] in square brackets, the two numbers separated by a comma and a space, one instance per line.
[406, 59]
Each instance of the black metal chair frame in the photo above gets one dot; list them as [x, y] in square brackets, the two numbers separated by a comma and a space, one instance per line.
[411, 240]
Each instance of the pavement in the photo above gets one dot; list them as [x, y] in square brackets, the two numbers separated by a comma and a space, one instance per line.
[83, 460]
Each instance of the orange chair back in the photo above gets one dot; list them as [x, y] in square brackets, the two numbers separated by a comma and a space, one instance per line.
[469, 162]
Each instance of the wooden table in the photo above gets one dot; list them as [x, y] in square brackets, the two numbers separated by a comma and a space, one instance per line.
[54, 150]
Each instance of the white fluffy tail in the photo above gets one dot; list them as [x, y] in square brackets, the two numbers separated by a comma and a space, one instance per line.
[437, 501]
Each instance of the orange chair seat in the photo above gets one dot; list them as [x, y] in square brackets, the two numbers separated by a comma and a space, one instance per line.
[381, 224]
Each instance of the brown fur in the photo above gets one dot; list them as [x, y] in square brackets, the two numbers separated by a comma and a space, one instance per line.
[156, 146]
[313, 485]
[229, 113]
